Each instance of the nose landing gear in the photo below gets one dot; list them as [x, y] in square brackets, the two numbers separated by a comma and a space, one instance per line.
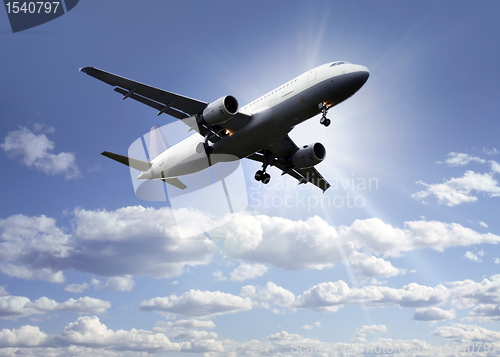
[324, 110]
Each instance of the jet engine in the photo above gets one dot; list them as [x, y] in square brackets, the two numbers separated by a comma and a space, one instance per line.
[309, 155]
[219, 111]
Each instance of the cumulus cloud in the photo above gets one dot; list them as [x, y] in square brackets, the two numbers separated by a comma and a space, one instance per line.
[472, 256]
[14, 307]
[433, 314]
[485, 312]
[459, 190]
[492, 151]
[116, 283]
[466, 333]
[247, 271]
[219, 276]
[468, 293]
[461, 159]
[269, 294]
[310, 327]
[115, 244]
[34, 150]
[25, 336]
[196, 303]
[314, 244]
[76, 288]
[88, 336]
[142, 241]
[360, 334]
[374, 266]
[331, 296]
[89, 331]
[186, 329]
[482, 224]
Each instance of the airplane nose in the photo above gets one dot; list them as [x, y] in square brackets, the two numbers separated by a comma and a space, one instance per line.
[364, 73]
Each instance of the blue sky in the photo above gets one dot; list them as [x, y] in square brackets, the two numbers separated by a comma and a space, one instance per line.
[87, 268]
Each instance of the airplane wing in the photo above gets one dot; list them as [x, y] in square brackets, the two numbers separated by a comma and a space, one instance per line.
[173, 104]
[281, 149]
[176, 105]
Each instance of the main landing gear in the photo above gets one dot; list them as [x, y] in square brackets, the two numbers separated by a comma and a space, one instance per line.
[324, 110]
[262, 175]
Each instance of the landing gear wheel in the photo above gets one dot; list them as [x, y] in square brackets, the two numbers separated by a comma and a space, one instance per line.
[266, 178]
[259, 175]
[327, 122]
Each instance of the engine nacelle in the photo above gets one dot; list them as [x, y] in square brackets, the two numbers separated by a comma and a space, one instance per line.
[220, 111]
[309, 155]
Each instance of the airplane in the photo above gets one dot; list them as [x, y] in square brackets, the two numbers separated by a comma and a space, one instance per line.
[258, 131]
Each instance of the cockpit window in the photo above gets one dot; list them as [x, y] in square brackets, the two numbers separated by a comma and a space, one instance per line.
[338, 63]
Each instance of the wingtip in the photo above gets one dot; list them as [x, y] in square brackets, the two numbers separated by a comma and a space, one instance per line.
[84, 69]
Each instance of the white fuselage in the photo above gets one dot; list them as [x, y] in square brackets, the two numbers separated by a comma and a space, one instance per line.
[272, 116]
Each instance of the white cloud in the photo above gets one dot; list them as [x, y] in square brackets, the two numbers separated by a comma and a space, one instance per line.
[219, 276]
[114, 244]
[467, 333]
[270, 294]
[472, 256]
[87, 336]
[247, 271]
[482, 224]
[495, 167]
[497, 260]
[374, 266]
[14, 307]
[3, 291]
[331, 296]
[310, 327]
[34, 151]
[460, 159]
[116, 283]
[492, 151]
[457, 190]
[25, 336]
[468, 293]
[76, 288]
[433, 314]
[186, 329]
[89, 331]
[142, 241]
[359, 336]
[485, 312]
[314, 244]
[196, 303]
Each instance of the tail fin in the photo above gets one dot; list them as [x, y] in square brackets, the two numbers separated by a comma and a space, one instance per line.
[157, 142]
[134, 163]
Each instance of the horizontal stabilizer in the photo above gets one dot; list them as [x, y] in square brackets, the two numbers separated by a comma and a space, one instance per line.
[174, 181]
[134, 163]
